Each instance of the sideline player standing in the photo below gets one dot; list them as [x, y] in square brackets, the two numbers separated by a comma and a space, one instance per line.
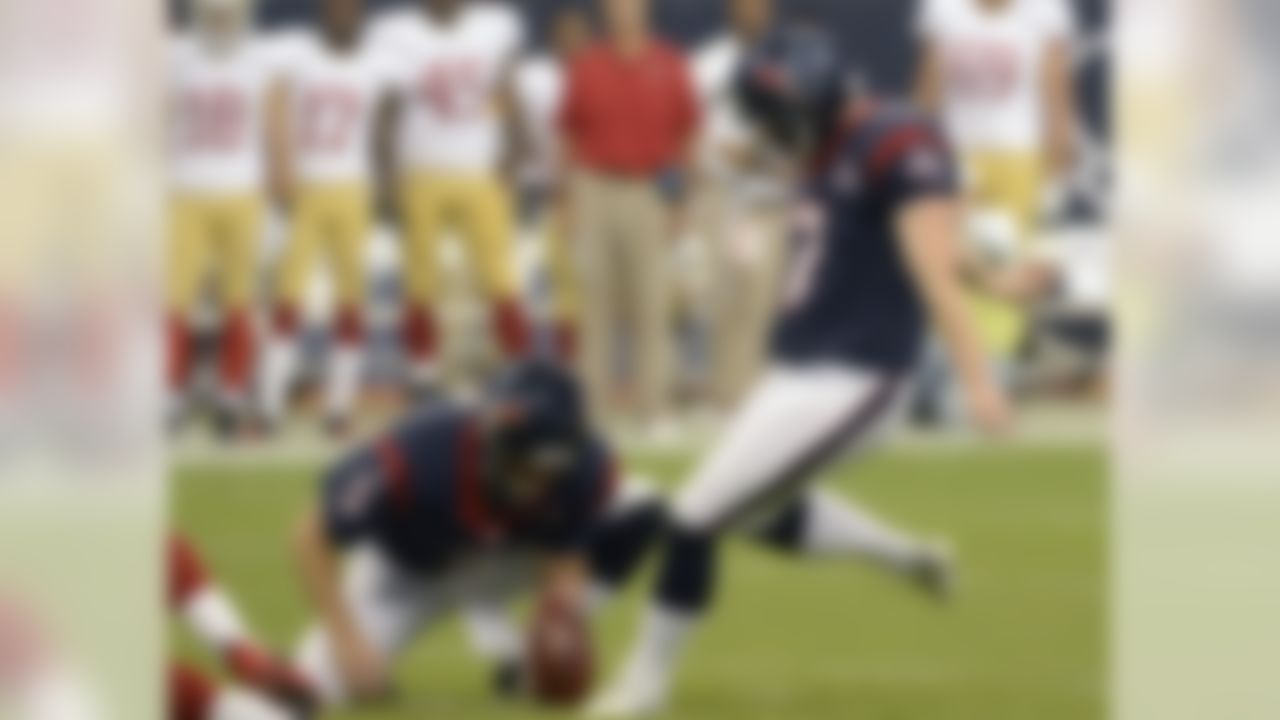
[222, 81]
[463, 509]
[876, 252]
[540, 89]
[452, 138]
[998, 74]
[336, 84]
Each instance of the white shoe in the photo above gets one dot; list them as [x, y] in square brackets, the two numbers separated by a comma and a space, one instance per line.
[633, 697]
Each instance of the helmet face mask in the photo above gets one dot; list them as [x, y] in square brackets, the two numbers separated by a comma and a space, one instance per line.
[535, 433]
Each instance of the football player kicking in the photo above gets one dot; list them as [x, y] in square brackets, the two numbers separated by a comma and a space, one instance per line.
[876, 252]
[463, 508]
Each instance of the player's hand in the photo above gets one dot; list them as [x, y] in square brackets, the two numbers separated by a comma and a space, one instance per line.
[259, 669]
[992, 412]
[1026, 283]
[364, 671]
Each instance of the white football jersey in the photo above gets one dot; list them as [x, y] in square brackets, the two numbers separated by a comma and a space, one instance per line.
[333, 106]
[449, 78]
[992, 65]
[723, 125]
[217, 109]
[725, 129]
[540, 92]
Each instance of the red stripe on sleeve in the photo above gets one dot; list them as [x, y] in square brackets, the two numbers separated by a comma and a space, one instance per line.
[894, 146]
[396, 472]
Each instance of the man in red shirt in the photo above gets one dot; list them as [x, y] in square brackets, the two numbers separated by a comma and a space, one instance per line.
[629, 117]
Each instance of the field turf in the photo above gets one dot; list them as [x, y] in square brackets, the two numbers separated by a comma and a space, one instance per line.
[791, 641]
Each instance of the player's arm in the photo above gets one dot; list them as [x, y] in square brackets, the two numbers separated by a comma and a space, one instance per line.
[564, 579]
[515, 145]
[318, 560]
[280, 150]
[928, 82]
[386, 133]
[1060, 111]
[929, 234]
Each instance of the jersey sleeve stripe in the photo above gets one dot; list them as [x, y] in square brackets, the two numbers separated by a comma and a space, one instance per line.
[893, 146]
[396, 473]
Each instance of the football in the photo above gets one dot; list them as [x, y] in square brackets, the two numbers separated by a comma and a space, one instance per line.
[561, 658]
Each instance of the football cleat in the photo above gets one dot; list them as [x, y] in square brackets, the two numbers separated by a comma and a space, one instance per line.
[933, 571]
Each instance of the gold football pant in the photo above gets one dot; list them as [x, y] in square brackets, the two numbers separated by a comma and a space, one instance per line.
[1009, 183]
[330, 225]
[477, 208]
[216, 235]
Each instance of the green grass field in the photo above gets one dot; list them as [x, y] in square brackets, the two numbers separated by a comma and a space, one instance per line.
[806, 641]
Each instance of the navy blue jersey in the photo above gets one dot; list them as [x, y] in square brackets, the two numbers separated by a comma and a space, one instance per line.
[849, 297]
[418, 493]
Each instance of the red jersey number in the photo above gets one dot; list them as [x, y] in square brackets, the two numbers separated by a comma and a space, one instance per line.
[808, 250]
[454, 89]
[213, 119]
[985, 72]
[329, 118]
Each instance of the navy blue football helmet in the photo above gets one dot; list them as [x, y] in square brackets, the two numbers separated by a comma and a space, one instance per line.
[537, 430]
[792, 85]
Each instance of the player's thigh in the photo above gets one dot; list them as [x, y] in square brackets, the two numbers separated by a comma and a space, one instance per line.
[424, 202]
[190, 248]
[485, 219]
[791, 426]
[239, 241]
[350, 243]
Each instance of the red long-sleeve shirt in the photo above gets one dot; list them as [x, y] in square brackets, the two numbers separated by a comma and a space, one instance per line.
[629, 115]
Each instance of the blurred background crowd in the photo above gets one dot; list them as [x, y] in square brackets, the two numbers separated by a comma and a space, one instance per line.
[572, 178]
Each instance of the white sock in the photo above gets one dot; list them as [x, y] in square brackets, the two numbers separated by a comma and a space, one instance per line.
[343, 381]
[240, 705]
[279, 364]
[661, 643]
[835, 527]
[214, 619]
[494, 635]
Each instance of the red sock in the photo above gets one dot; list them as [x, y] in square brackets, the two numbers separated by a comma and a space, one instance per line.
[256, 668]
[179, 353]
[187, 573]
[285, 320]
[191, 695]
[421, 340]
[565, 339]
[236, 354]
[349, 326]
[511, 328]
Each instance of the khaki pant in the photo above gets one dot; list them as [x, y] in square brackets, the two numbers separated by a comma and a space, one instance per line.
[619, 232]
[746, 247]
